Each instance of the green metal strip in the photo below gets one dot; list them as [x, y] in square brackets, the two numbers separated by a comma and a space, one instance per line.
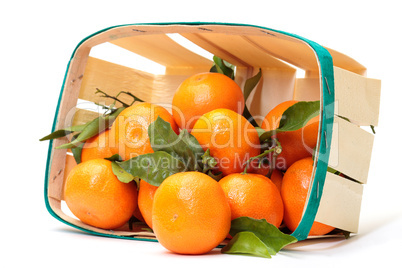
[327, 114]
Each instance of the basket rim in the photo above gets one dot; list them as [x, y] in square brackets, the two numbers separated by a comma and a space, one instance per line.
[326, 74]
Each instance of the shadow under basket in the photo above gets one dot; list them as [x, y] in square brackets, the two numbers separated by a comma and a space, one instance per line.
[349, 102]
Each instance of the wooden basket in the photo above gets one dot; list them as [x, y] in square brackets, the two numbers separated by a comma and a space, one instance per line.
[336, 80]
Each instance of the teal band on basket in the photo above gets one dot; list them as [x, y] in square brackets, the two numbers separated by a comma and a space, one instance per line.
[327, 114]
[327, 118]
[326, 123]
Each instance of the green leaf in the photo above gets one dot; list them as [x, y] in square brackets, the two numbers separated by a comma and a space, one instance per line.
[270, 235]
[193, 161]
[223, 67]
[161, 135]
[93, 128]
[115, 157]
[209, 166]
[344, 118]
[213, 69]
[153, 168]
[63, 132]
[218, 176]
[347, 119]
[183, 146]
[249, 86]
[123, 175]
[193, 143]
[334, 171]
[260, 131]
[247, 243]
[77, 151]
[208, 161]
[346, 234]
[56, 134]
[372, 129]
[295, 117]
[246, 114]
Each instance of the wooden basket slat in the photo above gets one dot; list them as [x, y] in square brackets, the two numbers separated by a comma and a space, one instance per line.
[345, 212]
[115, 33]
[276, 86]
[216, 50]
[345, 62]
[163, 50]
[69, 165]
[113, 78]
[357, 97]
[67, 108]
[350, 150]
[307, 89]
[287, 49]
[56, 182]
[237, 50]
[82, 116]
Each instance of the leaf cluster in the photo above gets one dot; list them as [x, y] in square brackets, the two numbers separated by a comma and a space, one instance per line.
[173, 153]
[81, 133]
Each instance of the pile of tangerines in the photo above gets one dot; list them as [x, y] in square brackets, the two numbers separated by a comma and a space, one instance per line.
[191, 212]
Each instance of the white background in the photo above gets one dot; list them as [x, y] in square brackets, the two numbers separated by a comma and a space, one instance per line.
[37, 39]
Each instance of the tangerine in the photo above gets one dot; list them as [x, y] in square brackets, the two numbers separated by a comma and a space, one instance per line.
[295, 186]
[296, 144]
[190, 213]
[95, 196]
[145, 201]
[137, 214]
[231, 139]
[131, 128]
[253, 195]
[98, 146]
[202, 93]
[276, 178]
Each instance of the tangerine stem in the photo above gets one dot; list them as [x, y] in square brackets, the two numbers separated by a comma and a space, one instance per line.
[277, 149]
[105, 95]
[135, 98]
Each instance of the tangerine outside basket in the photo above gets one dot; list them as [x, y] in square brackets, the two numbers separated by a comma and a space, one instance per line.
[348, 102]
